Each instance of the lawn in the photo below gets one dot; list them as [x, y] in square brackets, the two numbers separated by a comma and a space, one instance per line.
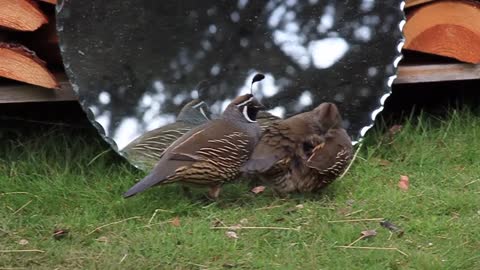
[57, 179]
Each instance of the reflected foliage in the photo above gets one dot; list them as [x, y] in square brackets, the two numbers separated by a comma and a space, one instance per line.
[136, 63]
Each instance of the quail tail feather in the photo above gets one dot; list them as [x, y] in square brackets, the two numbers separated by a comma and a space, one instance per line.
[155, 177]
[145, 183]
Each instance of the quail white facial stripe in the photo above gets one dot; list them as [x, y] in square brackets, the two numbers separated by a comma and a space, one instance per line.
[203, 113]
[198, 105]
[245, 102]
[245, 114]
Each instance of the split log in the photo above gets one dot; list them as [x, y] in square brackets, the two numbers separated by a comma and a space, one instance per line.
[19, 63]
[22, 15]
[447, 28]
[50, 1]
[411, 3]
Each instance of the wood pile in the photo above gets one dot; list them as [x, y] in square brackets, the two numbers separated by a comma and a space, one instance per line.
[28, 42]
[442, 41]
[449, 28]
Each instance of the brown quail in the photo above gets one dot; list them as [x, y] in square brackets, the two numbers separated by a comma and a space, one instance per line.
[302, 153]
[145, 151]
[210, 154]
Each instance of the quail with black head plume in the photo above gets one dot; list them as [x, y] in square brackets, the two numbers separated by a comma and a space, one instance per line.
[289, 155]
[146, 150]
[210, 154]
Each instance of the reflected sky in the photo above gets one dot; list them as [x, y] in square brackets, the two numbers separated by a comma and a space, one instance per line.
[136, 63]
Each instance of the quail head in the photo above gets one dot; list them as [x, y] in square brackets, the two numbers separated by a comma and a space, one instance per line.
[211, 154]
[145, 151]
[326, 162]
[289, 153]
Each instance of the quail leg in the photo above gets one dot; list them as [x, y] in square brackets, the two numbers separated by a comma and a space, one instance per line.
[213, 192]
[186, 190]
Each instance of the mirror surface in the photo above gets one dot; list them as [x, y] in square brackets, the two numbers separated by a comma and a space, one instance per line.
[136, 63]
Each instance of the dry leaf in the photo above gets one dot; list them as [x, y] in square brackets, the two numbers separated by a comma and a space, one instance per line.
[60, 233]
[175, 222]
[236, 227]
[23, 242]
[294, 209]
[368, 233]
[384, 162]
[404, 183]
[217, 223]
[392, 227]
[258, 189]
[395, 129]
[243, 221]
[231, 234]
[103, 239]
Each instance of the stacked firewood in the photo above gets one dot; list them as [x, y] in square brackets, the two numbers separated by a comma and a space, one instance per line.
[29, 49]
[28, 41]
[449, 28]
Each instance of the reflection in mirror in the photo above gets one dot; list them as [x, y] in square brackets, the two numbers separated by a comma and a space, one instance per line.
[147, 149]
[135, 63]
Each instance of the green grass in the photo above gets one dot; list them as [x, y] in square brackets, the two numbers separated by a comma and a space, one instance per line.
[50, 174]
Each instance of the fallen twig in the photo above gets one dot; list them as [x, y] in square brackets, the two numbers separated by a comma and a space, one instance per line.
[358, 239]
[374, 248]
[113, 223]
[354, 212]
[18, 193]
[123, 258]
[21, 250]
[269, 207]
[98, 156]
[250, 228]
[469, 183]
[354, 220]
[351, 162]
[155, 213]
[23, 206]
[153, 224]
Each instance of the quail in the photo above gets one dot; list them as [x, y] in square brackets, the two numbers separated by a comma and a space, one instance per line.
[210, 154]
[145, 151]
[299, 154]
[266, 119]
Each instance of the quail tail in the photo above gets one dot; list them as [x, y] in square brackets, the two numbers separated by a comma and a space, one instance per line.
[145, 183]
[150, 180]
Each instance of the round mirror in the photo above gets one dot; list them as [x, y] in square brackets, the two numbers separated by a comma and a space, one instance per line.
[148, 69]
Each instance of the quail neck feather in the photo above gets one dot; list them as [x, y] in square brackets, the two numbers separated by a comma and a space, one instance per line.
[146, 150]
[210, 154]
[266, 119]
